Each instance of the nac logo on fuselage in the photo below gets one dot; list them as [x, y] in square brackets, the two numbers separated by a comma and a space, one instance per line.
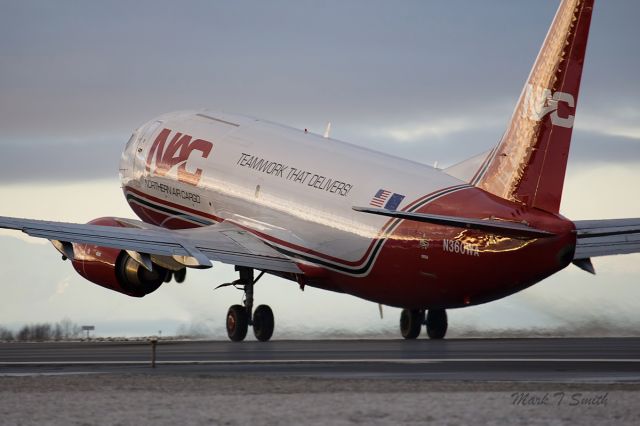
[539, 101]
[163, 159]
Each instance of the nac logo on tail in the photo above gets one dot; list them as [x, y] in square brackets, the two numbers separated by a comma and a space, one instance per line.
[164, 159]
[539, 101]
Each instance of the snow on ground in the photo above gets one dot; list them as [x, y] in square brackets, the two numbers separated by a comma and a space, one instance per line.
[205, 400]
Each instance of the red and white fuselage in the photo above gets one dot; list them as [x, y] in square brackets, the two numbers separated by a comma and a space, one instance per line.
[295, 191]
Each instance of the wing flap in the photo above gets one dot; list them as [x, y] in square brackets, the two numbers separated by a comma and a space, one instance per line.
[200, 244]
[141, 240]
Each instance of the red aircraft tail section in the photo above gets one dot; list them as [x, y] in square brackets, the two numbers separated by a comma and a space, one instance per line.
[529, 163]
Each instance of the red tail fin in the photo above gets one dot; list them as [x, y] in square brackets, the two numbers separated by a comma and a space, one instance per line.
[529, 164]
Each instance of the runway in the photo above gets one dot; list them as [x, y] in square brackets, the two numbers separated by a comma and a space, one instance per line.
[378, 382]
[583, 360]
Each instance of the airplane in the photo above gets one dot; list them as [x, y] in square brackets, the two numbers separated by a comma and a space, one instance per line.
[267, 198]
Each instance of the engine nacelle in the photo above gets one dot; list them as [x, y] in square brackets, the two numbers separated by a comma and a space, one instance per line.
[114, 268]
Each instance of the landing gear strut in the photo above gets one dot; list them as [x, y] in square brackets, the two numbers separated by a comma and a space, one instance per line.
[411, 321]
[240, 317]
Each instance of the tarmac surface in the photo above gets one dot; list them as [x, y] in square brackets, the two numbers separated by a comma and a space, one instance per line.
[340, 382]
[587, 360]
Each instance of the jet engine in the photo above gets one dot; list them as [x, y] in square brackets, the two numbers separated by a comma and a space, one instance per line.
[116, 269]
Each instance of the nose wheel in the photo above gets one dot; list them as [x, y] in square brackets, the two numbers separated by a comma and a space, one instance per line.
[240, 317]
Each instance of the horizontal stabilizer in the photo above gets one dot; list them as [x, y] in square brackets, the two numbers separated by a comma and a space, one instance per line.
[499, 227]
[607, 237]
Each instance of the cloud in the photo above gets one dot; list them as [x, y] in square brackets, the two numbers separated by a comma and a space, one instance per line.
[22, 237]
[78, 201]
[46, 161]
[63, 285]
[439, 128]
[601, 191]
[76, 81]
[623, 123]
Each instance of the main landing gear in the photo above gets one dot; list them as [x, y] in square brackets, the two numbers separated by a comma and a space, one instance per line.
[240, 317]
[411, 321]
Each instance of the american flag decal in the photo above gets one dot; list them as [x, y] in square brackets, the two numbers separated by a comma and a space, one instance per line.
[379, 199]
[386, 199]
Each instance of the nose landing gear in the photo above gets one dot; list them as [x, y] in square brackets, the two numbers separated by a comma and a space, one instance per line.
[411, 321]
[240, 317]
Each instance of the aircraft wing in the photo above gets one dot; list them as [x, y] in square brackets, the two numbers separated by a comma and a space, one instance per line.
[607, 237]
[197, 247]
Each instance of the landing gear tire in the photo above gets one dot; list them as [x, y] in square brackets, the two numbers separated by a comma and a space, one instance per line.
[180, 275]
[436, 323]
[411, 321]
[237, 323]
[240, 317]
[263, 323]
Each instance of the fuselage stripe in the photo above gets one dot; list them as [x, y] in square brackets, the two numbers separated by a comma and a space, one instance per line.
[485, 165]
[359, 267]
[173, 214]
[378, 243]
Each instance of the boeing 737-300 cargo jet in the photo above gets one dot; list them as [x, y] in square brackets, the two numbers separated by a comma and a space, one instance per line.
[268, 198]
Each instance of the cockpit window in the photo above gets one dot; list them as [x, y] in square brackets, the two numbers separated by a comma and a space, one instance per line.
[152, 129]
[131, 139]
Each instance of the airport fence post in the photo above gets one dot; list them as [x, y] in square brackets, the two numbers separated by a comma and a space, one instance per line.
[154, 343]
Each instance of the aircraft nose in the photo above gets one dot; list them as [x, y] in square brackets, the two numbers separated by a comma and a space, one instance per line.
[127, 158]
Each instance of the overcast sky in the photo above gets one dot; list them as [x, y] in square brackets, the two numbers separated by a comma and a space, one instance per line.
[427, 80]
